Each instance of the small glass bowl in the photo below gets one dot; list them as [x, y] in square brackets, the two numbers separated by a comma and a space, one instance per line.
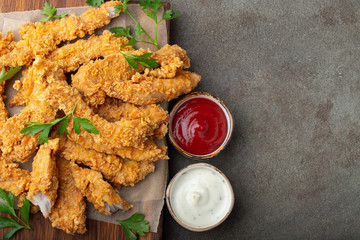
[229, 118]
[169, 193]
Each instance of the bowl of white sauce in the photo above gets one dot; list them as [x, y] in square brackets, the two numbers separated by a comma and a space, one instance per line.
[200, 197]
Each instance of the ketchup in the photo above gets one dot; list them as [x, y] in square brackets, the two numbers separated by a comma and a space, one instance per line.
[199, 126]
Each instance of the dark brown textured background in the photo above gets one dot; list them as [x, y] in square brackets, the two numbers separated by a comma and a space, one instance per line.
[42, 227]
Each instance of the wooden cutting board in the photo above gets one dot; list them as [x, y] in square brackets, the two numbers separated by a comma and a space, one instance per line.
[42, 228]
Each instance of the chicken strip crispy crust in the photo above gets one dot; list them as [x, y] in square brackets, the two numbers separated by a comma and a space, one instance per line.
[114, 109]
[115, 169]
[40, 38]
[113, 77]
[70, 57]
[14, 179]
[6, 43]
[4, 114]
[14, 145]
[44, 177]
[123, 133]
[91, 184]
[68, 213]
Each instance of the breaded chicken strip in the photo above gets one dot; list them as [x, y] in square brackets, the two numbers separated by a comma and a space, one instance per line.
[44, 177]
[14, 179]
[14, 145]
[150, 152]
[114, 109]
[123, 133]
[70, 57]
[41, 38]
[91, 184]
[113, 77]
[68, 213]
[115, 169]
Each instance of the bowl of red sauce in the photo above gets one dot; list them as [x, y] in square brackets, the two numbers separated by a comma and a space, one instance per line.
[200, 125]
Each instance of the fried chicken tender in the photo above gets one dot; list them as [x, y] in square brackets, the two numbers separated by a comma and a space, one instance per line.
[114, 110]
[115, 169]
[40, 38]
[19, 147]
[44, 177]
[70, 57]
[14, 179]
[69, 211]
[91, 184]
[113, 77]
[150, 152]
[123, 133]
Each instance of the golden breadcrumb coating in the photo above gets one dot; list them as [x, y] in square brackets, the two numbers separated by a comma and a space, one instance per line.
[14, 179]
[4, 114]
[113, 77]
[40, 38]
[44, 177]
[6, 43]
[114, 109]
[96, 190]
[69, 211]
[70, 57]
[115, 169]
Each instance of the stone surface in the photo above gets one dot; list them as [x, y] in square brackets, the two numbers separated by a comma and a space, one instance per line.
[289, 72]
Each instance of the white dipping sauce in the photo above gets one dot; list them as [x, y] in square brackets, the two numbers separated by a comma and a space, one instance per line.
[200, 197]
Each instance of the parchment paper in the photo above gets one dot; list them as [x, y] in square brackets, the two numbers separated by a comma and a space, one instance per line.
[148, 195]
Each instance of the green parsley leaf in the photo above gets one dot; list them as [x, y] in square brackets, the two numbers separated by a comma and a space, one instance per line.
[44, 135]
[50, 11]
[33, 128]
[10, 233]
[6, 76]
[122, 7]
[150, 8]
[141, 59]
[6, 222]
[8, 207]
[8, 202]
[25, 209]
[121, 32]
[135, 223]
[62, 128]
[168, 15]
[95, 2]
[131, 43]
[138, 30]
[85, 124]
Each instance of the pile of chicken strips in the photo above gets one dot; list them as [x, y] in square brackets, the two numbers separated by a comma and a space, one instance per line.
[121, 102]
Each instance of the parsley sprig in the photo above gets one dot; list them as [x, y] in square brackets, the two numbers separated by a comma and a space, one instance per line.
[150, 8]
[141, 59]
[7, 206]
[95, 2]
[9, 74]
[135, 223]
[50, 11]
[33, 128]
